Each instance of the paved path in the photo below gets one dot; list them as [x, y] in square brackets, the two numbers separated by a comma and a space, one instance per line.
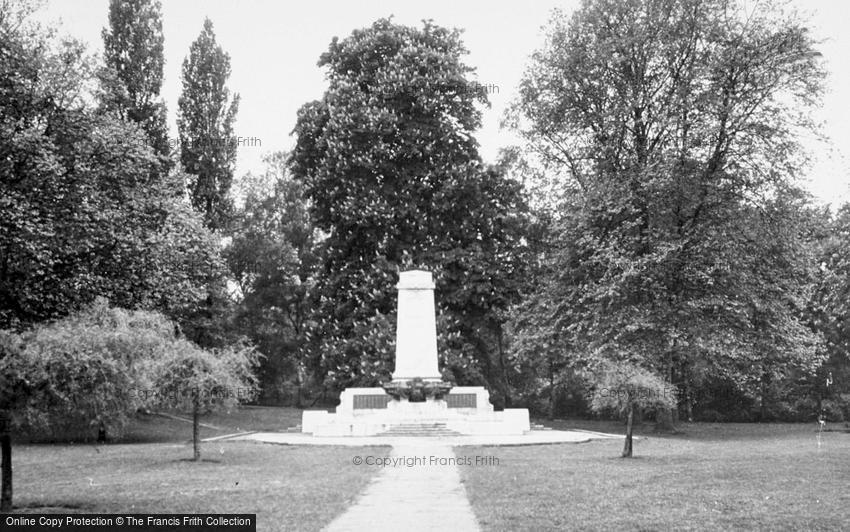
[425, 496]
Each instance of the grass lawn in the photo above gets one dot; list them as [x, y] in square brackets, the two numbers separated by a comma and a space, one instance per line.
[154, 428]
[289, 488]
[708, 477]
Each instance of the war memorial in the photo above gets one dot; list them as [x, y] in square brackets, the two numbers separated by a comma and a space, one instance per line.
[417, 401]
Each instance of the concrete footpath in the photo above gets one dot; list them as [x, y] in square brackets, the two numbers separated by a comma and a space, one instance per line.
[422, 491]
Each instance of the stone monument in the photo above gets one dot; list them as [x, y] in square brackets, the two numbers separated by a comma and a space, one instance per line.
[417, 401]
[416, 376]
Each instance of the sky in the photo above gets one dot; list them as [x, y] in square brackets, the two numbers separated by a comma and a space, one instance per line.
[274, 47]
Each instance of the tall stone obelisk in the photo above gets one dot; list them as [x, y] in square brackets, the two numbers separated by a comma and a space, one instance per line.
[416, 330]
[418, 396]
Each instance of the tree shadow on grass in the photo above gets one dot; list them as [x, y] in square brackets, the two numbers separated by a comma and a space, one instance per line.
[635, 458]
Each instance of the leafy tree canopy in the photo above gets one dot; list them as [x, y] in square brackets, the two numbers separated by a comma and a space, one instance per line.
[392, 171]
[674, 126]
[70, 231]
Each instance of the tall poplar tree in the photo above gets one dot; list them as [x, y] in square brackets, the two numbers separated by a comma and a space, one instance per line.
[206, 112]
[133, 53]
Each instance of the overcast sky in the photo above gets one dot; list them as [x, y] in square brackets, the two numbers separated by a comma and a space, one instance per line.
[274, 48]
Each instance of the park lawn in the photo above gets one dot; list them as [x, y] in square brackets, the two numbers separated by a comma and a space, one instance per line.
[157, 428]
[288, 487]
[151, 428]
[146, 470]
[707, 477]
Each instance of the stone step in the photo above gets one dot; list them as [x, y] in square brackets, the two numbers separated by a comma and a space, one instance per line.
[398, 429]
[412, 430]
[435, 425]
[427, 431]
[419, 430]
[416, 429]
[418, 434]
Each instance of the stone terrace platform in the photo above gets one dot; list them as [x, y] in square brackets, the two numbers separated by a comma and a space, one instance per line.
[534, 437]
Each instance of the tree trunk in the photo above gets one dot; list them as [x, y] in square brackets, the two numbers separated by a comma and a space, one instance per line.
[552, 398]
[689, 402]
[6, 450]
[196, 433]
[504, 377]
[763, 407]
[664, 420]
[298, 403]
[638, 415]
[627, 447]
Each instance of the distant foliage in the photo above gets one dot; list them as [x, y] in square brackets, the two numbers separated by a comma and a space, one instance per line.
[273, 257]
[829, 312]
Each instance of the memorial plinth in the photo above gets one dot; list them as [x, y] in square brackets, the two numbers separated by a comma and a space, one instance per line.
[417, 401]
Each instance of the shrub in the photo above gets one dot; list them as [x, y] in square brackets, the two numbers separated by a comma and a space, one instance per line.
[710, 416]
[625, 387]
[833, 410]
[199, 381]
[84, 370]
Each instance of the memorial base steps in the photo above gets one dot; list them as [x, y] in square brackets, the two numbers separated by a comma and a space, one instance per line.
[419, 430]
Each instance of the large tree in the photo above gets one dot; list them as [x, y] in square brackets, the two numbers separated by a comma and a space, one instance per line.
[673, 126]
[133, 53]
[391, 167]
[70, 231]
[205, 116]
